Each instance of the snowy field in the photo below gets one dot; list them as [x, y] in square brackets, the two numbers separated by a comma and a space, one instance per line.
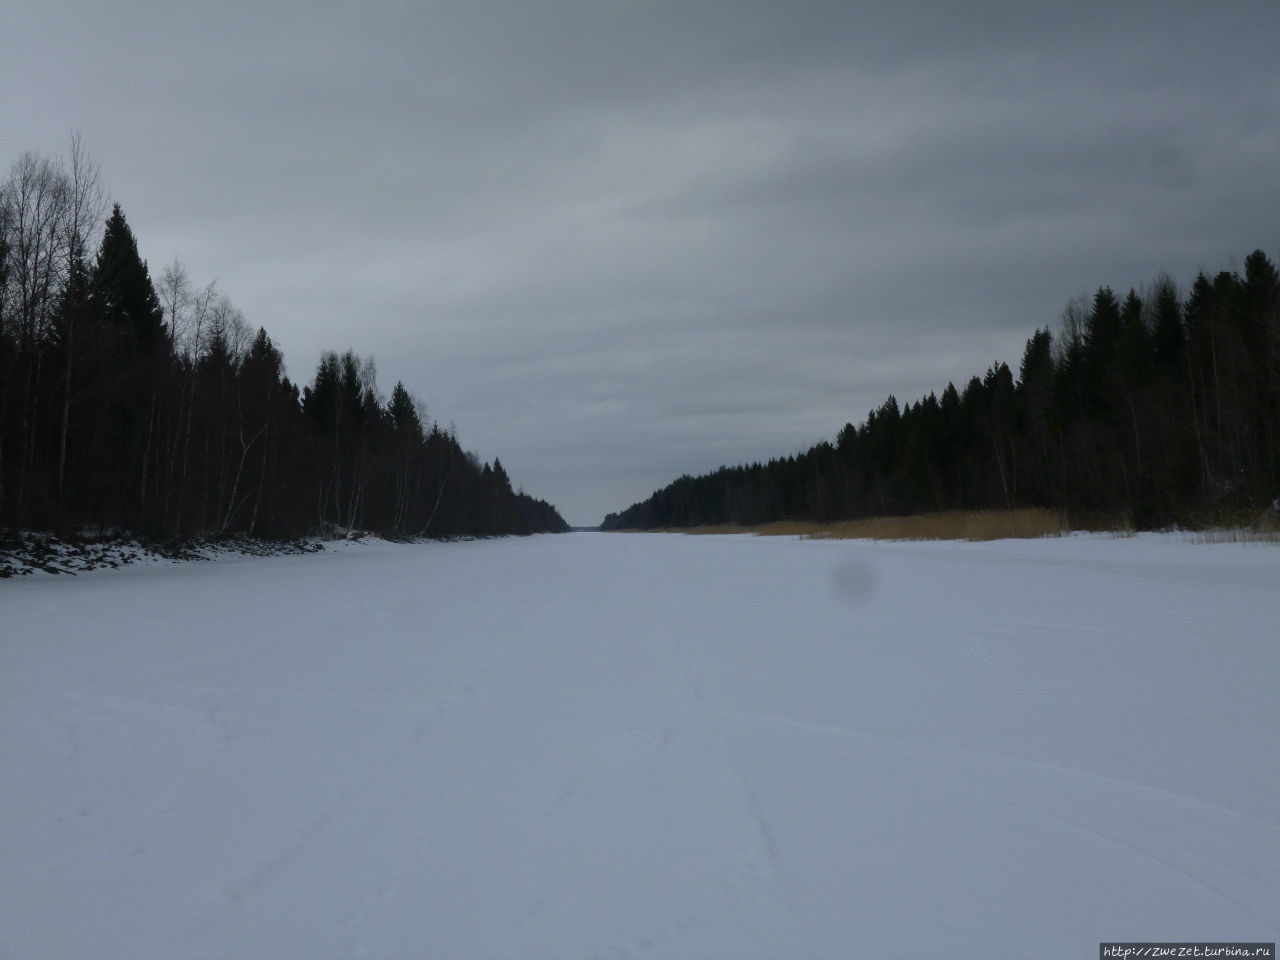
[610, 745]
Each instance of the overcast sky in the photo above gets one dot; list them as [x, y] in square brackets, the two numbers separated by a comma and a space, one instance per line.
[616, 242]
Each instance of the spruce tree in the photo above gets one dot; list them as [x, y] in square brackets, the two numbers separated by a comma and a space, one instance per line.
[123, 289]
[131, 314]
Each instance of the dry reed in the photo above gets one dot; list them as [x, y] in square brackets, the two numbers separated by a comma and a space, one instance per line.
[978, 525]
[954, 525]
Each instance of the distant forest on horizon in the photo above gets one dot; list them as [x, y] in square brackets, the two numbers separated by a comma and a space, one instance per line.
[1150, 409]
[154, 408]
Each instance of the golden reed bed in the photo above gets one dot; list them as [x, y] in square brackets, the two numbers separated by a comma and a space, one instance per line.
[988, 525]
[955, 525]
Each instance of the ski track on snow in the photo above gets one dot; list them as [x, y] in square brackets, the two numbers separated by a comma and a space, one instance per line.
[621, 746]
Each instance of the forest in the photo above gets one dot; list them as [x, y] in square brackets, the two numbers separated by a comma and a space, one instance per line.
[1146, 410]
[150, 406]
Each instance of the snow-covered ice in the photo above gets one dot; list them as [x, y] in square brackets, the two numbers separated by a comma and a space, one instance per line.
[609, 745]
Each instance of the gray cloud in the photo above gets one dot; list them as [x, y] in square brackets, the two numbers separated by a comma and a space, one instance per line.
[616, 242]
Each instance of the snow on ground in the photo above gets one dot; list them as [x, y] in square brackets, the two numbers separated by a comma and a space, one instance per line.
[35, 553]
[609, 745]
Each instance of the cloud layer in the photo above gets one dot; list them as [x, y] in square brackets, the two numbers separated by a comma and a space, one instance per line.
[617, 242]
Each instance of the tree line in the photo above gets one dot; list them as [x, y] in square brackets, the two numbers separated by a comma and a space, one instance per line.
[1150, 409]
[154, 408]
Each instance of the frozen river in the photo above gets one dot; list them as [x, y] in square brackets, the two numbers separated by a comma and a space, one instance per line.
[610, 745]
